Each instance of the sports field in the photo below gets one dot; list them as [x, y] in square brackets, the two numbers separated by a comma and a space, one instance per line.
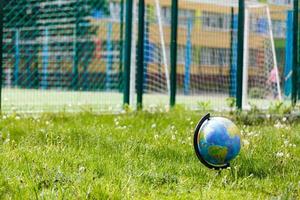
[37, 101]
[141, 156]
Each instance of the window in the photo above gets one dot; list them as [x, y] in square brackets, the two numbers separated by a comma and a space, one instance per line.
[212, 21]
[218, 57]
[254, 57]
[258, 24]
[115, 10]
[279, 28]
[181, 54]
[166, 15]
[280, 2]
[184, 15]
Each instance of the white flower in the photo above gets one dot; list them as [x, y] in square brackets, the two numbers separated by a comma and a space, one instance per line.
[286, 142]
[278, 125]
[153, 126]
[173, 137]
[246, 142]
[279, 154]
[81, 169]
[284, 119]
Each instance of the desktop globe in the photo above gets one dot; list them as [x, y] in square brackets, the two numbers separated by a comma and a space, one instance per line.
[217, 141]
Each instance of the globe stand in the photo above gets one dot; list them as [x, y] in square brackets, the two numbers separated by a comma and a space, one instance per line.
[196, 136]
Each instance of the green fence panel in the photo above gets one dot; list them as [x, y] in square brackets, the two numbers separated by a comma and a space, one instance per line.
[56, 55]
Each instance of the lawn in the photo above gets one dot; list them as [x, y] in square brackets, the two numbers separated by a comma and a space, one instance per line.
[141, 156]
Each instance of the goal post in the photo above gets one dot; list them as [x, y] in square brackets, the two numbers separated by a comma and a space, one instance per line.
[264, 87]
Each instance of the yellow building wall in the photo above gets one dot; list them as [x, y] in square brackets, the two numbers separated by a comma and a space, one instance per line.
[200, 37]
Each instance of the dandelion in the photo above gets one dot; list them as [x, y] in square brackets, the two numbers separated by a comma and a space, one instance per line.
[156, 137]
[279, 154]
[173, 137]
[284, 119]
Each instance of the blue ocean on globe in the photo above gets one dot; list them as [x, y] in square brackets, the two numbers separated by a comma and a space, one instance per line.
[219, 141]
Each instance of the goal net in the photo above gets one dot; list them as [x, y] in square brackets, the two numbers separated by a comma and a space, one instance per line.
[207, 55]
[156, 54]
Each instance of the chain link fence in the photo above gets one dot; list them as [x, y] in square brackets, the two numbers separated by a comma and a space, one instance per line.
[62, 55]
[68, 55]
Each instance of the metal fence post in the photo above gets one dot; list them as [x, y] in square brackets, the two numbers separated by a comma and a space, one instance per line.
[173, 52]
[233, 54]
[140, 62]
[127, 59]
[75, 71]
[1, 50]
[295, 52]
[240, 54]
[121, 42]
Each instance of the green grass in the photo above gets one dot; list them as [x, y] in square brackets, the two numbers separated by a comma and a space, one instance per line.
[140, 156]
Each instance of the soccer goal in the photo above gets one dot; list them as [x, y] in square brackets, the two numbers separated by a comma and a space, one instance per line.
[261, 79]
[207, 55]
[156, 56]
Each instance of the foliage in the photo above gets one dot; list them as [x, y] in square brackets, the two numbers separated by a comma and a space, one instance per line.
[280, 108]
[256, 93]
[140, 155]
[204, 105]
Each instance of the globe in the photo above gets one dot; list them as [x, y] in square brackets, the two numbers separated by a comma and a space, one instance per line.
[217, 141]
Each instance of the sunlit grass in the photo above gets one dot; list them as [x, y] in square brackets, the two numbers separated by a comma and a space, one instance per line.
[140, 155]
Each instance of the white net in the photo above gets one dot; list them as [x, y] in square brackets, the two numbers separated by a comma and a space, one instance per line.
[261, 74]
[207, 55]
[156, 55]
